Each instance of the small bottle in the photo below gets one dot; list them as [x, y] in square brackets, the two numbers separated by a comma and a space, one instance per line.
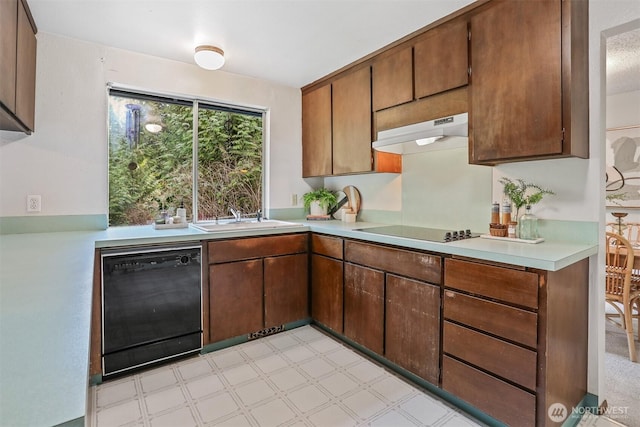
[528, 225]
[506, 212]
[495, 213]
[512, 229]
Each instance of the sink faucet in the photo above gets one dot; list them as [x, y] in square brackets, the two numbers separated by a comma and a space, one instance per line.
[237, 215]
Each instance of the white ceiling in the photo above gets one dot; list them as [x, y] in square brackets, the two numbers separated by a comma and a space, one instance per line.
[292, 42]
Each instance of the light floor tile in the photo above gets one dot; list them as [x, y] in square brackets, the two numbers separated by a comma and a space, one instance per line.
[301, 377]
[308, 398]
[162, 400]
[424, 409]
[333, 415]
[180, 417]
[364, 403]
[204, 386]
[216, 407]
[272, 414]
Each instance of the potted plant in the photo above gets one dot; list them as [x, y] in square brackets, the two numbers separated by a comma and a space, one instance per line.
[319, 201]
[522, 193]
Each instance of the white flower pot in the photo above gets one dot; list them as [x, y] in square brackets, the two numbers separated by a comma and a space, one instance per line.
[316, 209]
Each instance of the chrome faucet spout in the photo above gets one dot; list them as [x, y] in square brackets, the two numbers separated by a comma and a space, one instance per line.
[236, 214]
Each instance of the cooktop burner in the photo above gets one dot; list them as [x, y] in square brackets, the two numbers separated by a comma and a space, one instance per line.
[421, 233]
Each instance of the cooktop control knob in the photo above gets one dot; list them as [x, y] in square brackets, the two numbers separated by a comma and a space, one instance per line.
[447, 236]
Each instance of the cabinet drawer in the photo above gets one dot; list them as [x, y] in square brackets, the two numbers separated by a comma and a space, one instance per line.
[506, 360]
[406, 263]
[327, 246]
[507, 403]
[511, 323]
[256, 247]
[511, 286]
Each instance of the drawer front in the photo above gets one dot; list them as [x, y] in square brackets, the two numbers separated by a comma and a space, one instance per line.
[504, 284]
[427, 268]
[504, 359]
[511, 323]
[327, 246]
[503, 401]
[256, 247]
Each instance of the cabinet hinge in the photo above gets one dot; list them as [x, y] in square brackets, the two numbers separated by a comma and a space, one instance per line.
[563, 134]
[469, 71]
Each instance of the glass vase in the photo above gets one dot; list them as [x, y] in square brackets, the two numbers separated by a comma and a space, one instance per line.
[528, 225]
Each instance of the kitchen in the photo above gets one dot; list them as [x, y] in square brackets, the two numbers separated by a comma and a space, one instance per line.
[65, 159]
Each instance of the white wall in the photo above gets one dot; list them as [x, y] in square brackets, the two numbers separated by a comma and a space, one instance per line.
[65, 159]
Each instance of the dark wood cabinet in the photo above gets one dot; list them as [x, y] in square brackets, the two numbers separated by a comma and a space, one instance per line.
[364, 306]
[392, 305]
[529, 81]
[412, 326]
[256, 283]
[392, 79]
[337, 129]
[235, 295]
[317, 157]
[352, 123]
[441, 59]
[17, 66]
[286, 293]
[514, 339]
[327, 273]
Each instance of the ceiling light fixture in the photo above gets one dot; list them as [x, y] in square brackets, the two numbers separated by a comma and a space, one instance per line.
[209, 57]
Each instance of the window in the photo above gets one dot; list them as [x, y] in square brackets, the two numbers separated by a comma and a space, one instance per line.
[152, 148]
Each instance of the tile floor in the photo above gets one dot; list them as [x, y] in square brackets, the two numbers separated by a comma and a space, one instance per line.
[300, 377]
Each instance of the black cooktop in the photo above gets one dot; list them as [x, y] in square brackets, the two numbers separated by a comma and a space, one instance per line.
[421, 233]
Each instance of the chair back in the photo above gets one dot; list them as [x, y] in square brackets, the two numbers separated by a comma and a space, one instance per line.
[619, 259]
[628, 230]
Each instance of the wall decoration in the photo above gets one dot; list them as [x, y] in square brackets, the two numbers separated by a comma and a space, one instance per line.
[623, 167]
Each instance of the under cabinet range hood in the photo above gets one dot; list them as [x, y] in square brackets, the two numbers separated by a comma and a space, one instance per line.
[440, 134]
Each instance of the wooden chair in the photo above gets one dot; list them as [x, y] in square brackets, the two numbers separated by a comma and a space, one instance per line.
[619, 290]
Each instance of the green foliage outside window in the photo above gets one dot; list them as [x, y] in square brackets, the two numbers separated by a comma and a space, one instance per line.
[154, 170]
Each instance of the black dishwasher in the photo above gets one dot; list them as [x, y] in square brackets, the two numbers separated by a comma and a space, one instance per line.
[151, 305]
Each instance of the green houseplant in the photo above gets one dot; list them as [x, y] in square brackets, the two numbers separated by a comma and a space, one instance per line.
[523, 193]
[322, 199]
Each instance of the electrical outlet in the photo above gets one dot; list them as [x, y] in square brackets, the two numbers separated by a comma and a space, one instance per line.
[34, 203]
[294, 199]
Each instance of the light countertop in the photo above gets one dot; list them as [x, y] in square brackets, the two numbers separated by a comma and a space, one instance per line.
[45, 303]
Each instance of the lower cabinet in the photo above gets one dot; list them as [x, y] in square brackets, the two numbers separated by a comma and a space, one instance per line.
[514, 339]
[412, 326]
[392, 305]
[364, 306]
[256, 283]
[327, 276]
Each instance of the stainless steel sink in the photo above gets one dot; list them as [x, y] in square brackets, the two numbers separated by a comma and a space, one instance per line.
[243, 225]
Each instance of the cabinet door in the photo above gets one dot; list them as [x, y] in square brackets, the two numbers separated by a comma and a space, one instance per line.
[286, 289]
[235, 293]
[392, 79]
[515, 90]
[364, 306]
[8, 27]
[316, 132]
[326, 291]
[25, 70]
[352, 123]
[441, 59]
[412, 326]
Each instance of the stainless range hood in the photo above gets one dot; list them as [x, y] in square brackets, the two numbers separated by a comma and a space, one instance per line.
[440, 134]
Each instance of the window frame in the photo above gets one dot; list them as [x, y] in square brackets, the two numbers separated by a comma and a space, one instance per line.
[195, 101]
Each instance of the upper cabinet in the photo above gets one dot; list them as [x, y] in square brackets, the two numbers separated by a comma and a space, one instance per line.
[17, 66]
[441, 59]
[337, 129]
[392, 79]
[529, 81]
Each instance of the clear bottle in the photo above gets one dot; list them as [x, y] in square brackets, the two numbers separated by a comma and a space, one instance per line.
[528, 225]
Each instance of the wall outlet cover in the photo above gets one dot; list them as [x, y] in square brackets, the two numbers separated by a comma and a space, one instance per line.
[34, 203]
